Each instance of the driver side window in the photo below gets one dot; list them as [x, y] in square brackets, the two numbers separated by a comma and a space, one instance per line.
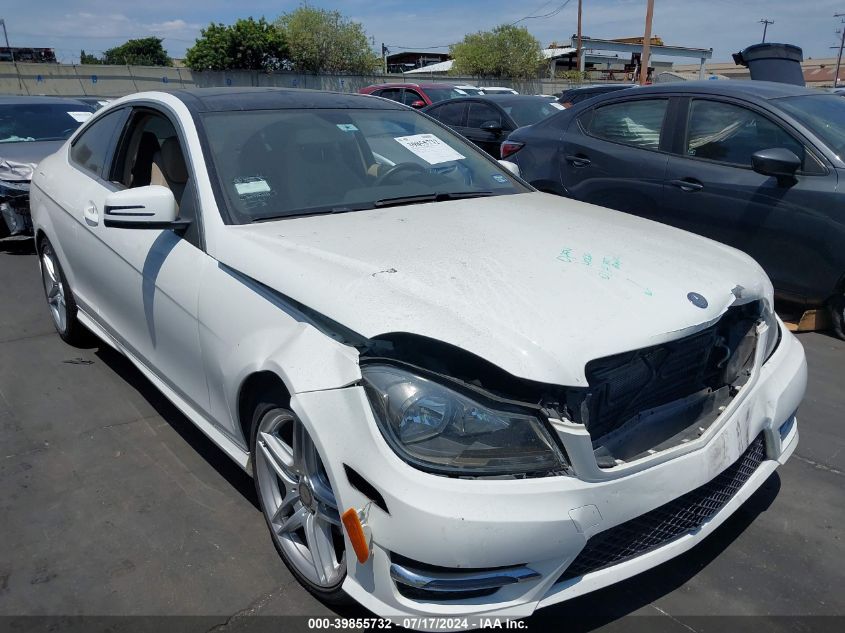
[151, 153]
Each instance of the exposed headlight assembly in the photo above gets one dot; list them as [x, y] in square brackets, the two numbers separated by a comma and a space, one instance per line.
[438, 429]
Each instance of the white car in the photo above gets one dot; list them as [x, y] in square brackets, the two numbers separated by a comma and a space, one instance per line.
[457, 396]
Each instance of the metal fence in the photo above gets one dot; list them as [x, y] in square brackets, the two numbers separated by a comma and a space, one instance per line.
[116, 81]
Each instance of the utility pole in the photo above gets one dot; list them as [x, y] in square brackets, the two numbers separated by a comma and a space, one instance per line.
[384, 56]
[765, 24]
[6, 35]
[839, 58]
[649, 14]
[578, 52]
[12, 53]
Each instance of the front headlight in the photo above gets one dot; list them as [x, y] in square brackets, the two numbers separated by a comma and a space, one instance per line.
[438, 429]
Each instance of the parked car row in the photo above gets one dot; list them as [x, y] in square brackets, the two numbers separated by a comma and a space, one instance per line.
[419, 95]
[457, 395]
[755, 165]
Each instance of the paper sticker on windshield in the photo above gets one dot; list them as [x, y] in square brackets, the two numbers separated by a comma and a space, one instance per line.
[251, 185]
[499, 178]
[430, 148]
[79, 117]
[347, 127]
[555, 104]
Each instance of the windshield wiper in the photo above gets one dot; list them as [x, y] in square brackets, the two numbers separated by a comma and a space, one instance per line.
[431, 197]
[327, 210]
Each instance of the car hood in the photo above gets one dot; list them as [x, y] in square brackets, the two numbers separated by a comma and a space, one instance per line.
[18, 160]
[537, 284]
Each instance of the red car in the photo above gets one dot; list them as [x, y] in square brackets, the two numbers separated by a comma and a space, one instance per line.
[418, 95]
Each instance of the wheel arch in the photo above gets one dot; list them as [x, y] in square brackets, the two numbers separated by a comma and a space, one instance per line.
[253, 387]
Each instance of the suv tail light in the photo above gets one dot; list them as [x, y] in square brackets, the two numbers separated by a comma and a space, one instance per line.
[509, 148]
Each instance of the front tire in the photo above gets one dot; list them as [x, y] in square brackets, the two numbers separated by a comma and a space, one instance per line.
[59, 296]
[298, 503]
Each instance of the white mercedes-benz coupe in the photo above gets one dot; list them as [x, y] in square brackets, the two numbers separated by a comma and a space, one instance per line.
[457, 396]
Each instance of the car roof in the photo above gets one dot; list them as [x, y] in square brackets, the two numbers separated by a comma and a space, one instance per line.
[497, 98]
[423, 85]
[26, 100]
[229, 99]
[600, 87]
[731, 88]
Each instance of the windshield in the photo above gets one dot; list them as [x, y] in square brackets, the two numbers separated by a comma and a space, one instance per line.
[823, 114]
[280, 163]
[41, 121]
[529, 111]
[441, 94]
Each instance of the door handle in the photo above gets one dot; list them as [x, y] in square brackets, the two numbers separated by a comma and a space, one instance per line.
[578, 160]
[91, 214]
[688, 185]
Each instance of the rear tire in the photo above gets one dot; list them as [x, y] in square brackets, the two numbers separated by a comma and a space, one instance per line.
[297, 502]
[836, 307]
[57, 291]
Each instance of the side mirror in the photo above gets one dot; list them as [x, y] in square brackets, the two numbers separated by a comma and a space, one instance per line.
[419, 103]
[511, 167]
[151, 207]
[494, 127]
[778, 161]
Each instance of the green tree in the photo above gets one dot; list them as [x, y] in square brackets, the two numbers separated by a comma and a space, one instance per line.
[326, 41]
[146, 51]
[88, 58]
[245, 45]
[506, 51]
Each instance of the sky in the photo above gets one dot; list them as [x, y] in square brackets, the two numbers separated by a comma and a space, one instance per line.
[724, 25]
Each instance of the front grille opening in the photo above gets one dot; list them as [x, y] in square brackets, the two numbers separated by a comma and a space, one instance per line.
[670, 521]
[650, 399]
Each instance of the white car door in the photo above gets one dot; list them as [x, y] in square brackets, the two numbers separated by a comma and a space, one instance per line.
[80, 205]
[147, 279]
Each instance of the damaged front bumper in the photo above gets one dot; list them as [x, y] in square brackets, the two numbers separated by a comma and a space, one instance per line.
[14, 208]
[473, 548]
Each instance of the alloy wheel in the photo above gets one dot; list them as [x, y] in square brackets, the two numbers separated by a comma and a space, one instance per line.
[53, 288]
[298, 501]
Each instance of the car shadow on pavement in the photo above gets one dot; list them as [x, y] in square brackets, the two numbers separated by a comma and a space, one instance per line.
[186, 429]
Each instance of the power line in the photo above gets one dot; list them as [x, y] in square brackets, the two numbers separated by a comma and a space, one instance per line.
[550, 14]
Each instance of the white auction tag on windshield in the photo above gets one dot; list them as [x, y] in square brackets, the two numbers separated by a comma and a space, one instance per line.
[430, 148]
[557, 105]
[252, 185]
[79, 117]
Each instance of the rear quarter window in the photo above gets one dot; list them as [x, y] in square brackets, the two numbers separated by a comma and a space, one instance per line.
[635, 123]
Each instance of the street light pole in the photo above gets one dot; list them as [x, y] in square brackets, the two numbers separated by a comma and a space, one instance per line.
[765, 24]
[6, 36]
[839, 58]
[649, 14]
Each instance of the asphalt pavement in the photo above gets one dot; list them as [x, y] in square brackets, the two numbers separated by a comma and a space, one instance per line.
[113, 504]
